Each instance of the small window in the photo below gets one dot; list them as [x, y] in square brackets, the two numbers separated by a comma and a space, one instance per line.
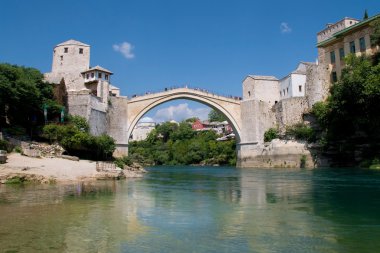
[300, 88]
[341, 53]
[87, 76]
[80, 50]
[249, 93]
[106, 77]
[362, 44]
[92, 74]
[287, 90]
[61, 57]
[352, 47]
[283, 91]
[66, 50]
[280, 93]
[99, 75]
[334, 77]
[332, 57]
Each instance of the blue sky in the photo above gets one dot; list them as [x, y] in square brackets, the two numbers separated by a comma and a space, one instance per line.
[151, 44]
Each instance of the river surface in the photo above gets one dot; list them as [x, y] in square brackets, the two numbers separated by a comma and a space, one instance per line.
[198, 209]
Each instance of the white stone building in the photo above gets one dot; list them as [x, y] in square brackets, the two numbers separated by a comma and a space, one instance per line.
[142, 131]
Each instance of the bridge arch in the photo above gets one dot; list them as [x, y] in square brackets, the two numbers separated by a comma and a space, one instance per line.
[230, 107]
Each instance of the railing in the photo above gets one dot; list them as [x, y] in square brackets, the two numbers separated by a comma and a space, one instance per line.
[190, 88]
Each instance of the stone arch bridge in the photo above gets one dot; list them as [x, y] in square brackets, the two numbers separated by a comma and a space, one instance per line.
[125, 113]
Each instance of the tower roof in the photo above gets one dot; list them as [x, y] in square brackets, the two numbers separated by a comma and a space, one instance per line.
[97, 67]
[72, 42]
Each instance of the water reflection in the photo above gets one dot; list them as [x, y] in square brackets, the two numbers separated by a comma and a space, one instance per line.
[193, 209]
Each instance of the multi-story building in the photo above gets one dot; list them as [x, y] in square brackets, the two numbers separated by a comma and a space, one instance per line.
[347, 36]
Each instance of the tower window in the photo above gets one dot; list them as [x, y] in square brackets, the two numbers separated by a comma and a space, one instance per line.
[332, 57]
[66, 50]
[334, 77]
[80, 50]
[341, 53]
[61, 57]
[300, 88]
[87, 76]
[106, 77]
[99, 75]
[92, 74]
[249, 93]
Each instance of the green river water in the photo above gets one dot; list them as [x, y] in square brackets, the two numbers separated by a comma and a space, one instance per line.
[198, 209]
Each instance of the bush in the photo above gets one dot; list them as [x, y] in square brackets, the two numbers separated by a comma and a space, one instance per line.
[303, 161]
[270, 134]
[125, 160]
[300, 131]
[80, 122]
[5, 145]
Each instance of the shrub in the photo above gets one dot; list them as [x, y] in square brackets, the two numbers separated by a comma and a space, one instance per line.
[125, 160]
[303, 161]
[300, 131]
[80, 122]
[5, 145]
[270, 134]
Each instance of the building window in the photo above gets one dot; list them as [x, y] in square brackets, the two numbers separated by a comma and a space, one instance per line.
[362, 44]
[300, 88]
[341, 53]
[106, 77]
[332, 57]
[92, 74]
[287, 90]
[280, 93]
[99, 75]
[61, 57]
[87, 76]
[352, 47]
[334, 77]
[80, 50]
[66, 50]
[249, 93]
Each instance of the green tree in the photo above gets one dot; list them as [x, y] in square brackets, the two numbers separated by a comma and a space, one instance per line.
[216, 116]
[365, 15]
[270, 134]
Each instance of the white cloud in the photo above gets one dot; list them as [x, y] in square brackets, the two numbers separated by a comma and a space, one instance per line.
[180, 112]
[125, 49]
[285, 28]
[146, 119]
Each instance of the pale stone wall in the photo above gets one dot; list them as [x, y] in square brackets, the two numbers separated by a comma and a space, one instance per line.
[98, 122]
[278, 153]
[118, 124]
[317, 87]
[290, 111]
[261, 88]
[257, 117]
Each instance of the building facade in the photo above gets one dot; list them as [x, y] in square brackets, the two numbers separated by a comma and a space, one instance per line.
[142, 130]
[347, 36]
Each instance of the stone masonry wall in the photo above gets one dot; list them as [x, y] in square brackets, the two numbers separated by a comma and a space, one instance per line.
[290, 111]
[317, 84]
[118, 124]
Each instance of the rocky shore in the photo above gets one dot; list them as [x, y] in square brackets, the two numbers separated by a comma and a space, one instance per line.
[20, 168]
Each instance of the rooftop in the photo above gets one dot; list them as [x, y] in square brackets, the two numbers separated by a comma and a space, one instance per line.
[270, 78]
[97, 67]
[347, 30]
[72, 42]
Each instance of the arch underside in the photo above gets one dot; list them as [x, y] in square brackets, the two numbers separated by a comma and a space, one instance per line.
[140, 108]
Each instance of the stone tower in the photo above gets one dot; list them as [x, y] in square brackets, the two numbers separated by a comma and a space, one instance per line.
[70, 58]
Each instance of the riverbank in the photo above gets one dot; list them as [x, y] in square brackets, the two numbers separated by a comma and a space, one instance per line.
[55, 170]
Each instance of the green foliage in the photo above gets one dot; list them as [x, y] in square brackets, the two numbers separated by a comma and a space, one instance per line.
[80, 122]
[80, 143]
[320, 111]
[270, 134]
[172, 144]
[15, 180]
[300, 131]
[125, 160]
[18, 149]
[22, 95]
[303, 161]
[365, 16]
[5, 145]
[350, 118]
[216, 116]
[375, 36]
